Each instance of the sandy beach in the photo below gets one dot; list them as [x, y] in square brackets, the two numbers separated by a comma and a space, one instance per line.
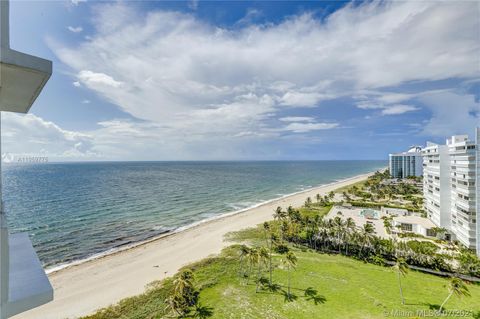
[86, 287]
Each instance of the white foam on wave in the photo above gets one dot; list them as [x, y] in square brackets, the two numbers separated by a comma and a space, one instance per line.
[191, 225]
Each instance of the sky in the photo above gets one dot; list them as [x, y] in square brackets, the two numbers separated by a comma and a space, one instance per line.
[245, 80]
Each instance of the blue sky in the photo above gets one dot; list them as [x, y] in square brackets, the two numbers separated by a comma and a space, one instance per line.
[246, 80]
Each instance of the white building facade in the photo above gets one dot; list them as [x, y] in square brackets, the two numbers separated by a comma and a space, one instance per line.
[406, 164]
[464, 174]
[451, 187]
[436, 184]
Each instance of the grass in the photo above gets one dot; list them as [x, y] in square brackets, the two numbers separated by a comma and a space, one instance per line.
[324, 286]
[346, 188]
[315, 210]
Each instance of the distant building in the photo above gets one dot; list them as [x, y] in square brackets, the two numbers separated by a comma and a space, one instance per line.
[406, 164]
[451, 187]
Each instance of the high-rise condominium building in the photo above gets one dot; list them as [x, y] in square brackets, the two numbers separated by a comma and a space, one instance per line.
[436, 184]
[464, 174]
[452, 187]
[407, 163]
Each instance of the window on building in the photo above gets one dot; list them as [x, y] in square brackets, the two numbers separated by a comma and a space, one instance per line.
[431, 233]
[407, 227]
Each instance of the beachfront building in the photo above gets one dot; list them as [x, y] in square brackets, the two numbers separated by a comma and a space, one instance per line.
[452, 187]
[23, 282]
[436, 184]
[405, 164]
[464, 174]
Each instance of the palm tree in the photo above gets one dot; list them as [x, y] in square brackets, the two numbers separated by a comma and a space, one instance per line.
[366, 235]
[279, 214]
[308, 202]
[262, 259]
[456, 287]
[338, 225]
[401, 267]
[266, 227]
[253, 258]
[331, 195]
[290, 262]
[318, 197]
[183, 282]
[244, 252]
[387, 223]
[184, 295]
[350, 229]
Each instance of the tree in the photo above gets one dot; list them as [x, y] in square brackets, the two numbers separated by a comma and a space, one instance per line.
[269, 240]
[366, 235]
[263, 256]
[308, 202]
[253, 258]
[349, 231]
[318, 198]
[401, 267]
[244, 252]
[456, 287]
[331, 195]
[279, 214]
[339, 228]
[290, 261]
[183, 295]
[387, 223]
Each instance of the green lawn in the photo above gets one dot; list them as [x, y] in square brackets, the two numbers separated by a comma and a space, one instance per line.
[340, 287]
[315, 210]
[345, 288]
[359, 185]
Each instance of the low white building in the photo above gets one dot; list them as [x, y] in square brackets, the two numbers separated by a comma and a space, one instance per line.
[405, 164]
[414, 224]
[394, 211]
[361, 216]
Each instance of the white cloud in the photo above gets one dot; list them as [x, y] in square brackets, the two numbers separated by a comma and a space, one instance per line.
[235, 81]
[296, 119]
[398, 109]
[85, 101]
[32, 134]
[452, 113]
[92, 79]
[77, 2]
[298, 127]
[76, 84]
[75, 29]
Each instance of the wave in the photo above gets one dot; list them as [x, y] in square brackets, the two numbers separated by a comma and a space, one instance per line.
[169, 232]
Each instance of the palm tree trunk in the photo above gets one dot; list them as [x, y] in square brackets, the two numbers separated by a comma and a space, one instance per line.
[445, 301]
[258, 276]
[270, 266]
[289, 282]
[401, 290]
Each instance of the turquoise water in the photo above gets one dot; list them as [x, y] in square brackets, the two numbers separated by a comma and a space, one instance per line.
[76, 210]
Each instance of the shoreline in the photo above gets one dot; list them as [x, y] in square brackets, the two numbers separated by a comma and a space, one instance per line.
[116, 250]
[82, 288]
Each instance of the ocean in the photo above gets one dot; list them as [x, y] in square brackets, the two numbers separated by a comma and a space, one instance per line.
[76, 211]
